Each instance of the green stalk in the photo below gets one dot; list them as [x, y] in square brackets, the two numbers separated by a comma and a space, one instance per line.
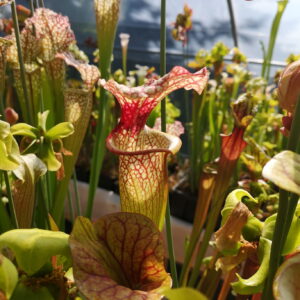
[99, 150]
[232, 22]
[71, 207]
[10, 201]
[286, 210]
[265, 72]
[212, 219]
[5, 223]
[124, 61]
[42, 3]
[163, 59]
[197, 135]
[1, 105]
[28, 103]
[77, 200]
[163, 128]
[32, 7]
[45, 200]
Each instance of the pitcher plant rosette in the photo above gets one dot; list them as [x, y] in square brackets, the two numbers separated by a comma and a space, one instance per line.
[143, 151]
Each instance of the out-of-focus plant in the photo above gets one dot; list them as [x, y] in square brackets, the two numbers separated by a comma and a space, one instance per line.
[183, 25]
[287, 201]
[46, 143]
[232, 146]
[285, 286]
[124, 39]
[41, 257]
[214, 58]
[9, 149]
[267, 55]
[210, 110]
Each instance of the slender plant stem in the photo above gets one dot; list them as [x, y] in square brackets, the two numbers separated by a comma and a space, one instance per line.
[5, 223]
[36, 4]
[10, 201]
[233, 25]
[285, 213]
[124, 60]
[210, 226]
[163, 66]
[71, 206]
[77, 199]
[98, 151]
[163, 128]
[44, 201]
[266, 67]
[32, 7]
[42, 3]
[21, 62]
[172, 259]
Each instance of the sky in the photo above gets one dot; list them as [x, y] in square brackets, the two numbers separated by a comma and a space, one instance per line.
[211, 23]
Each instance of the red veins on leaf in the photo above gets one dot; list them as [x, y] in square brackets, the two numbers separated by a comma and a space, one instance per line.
[143, 151]
[138, 102]
[120, 256]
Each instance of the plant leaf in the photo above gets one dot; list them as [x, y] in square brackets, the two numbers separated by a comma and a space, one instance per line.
[8, 276]
[118, 257]
[228, 237]
[184, 293]
[293, 238]
[4, 45]
[142, 173]
[34, 248]
[9, 149]
[23, 291]
[253, 228]
[285, 285]
[284, 170]
[78, 108]
[29, 171]
[55, 31]
[24, 130]
[47, 155]
[60, 131]
[89, 73]
[254, 284]
[107, 16]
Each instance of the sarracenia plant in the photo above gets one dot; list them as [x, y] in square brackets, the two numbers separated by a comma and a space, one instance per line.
[232, 146]
[119, 256]
[107, 16]
[78, 108]
[143, 152]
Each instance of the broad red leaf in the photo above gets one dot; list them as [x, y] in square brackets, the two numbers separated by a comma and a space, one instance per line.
[143, 151]
[233, 144]
[119, 257]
